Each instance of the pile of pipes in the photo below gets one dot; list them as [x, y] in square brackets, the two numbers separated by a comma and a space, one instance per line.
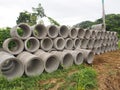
[40, 48]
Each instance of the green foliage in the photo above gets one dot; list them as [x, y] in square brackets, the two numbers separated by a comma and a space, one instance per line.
[84, 24]
[119, 44]
[4, 34]
[52, 21]
[83, 79]
[26, 17]
[39, 11]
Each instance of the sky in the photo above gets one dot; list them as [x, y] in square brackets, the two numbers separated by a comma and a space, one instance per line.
[67, 12]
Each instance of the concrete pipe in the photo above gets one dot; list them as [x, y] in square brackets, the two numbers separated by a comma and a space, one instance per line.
[13, 45]
[69, 43]
[73, 32]
[93, 34]
[59, 43]
[84, 43]
[34, 65]
[87, 34]
[46, 44]
[103, 34]
[52, 31]
[39, 31]
[88, 55]
[103, 49]
[97, 43]
[104, 42]
[51, 62]
[77, 55]
[10, 67]
[21, 31]
[98, 34]
[63, 31]
[81, 33]
[77, 43]
[90, 43]
[32, 44]
[66, 58]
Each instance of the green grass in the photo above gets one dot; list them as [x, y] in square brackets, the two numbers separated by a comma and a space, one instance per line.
[119, 44]
[83, 79]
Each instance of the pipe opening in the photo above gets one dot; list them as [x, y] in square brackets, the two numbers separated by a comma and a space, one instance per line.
[35, 67]
[51, 64]
[87, 34]
[40, 31]
[81, 33]
[63, 31]
[46, 44]
[60, 43]
[79, 59]
[90, 58]
[23, 30]
[32, 44]
[53, 31]
[67, 60]
[13, 71]
[73, 33]
[77, 43]
[69, 44]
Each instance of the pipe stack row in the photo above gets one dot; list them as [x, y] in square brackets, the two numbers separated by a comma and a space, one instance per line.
[41, 48]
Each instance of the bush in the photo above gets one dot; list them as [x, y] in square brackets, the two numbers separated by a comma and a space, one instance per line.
[4, 34]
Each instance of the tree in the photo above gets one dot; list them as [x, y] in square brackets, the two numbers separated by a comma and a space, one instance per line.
[26, 17]
[52, 21]
[39, 11]
[84, 24]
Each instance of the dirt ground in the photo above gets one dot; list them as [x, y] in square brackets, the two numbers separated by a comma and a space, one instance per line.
[108, 67]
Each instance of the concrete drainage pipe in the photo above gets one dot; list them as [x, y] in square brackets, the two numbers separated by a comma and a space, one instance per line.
[84, 43]
[33, 65]
[69, 44]
[51, 62]
[46, 44]
[93, 34]
[87, 34]
[66, 58]
[77, 55]
[32, 44]
[52, 31]
[88, 55]
[97, 43]
[39, 31]
[13, 45]
[90, 43]
[102, 34]
[73, 32]
[81, 33]
[77, 43]
[10, 67]
[21, 31]
[59, 43]
[63, 31]
[98, 34]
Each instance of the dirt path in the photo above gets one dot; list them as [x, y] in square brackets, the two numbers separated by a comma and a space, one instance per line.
[108, 67]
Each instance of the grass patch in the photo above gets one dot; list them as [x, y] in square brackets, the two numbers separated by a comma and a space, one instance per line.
[83, 79]
[119, 44]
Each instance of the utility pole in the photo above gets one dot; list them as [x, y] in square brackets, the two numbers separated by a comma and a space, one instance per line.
[103, 15]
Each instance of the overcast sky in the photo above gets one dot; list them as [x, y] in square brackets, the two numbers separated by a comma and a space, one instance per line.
[68, 12]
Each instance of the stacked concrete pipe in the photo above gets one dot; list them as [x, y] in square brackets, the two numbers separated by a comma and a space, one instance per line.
[33, 65]
[42, 48]
[10, 66]
[51, 62]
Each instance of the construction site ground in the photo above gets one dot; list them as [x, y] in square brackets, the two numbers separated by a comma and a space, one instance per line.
[107, 66]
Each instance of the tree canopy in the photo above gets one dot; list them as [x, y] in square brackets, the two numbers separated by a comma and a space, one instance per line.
[112, 23]
[31, 18]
